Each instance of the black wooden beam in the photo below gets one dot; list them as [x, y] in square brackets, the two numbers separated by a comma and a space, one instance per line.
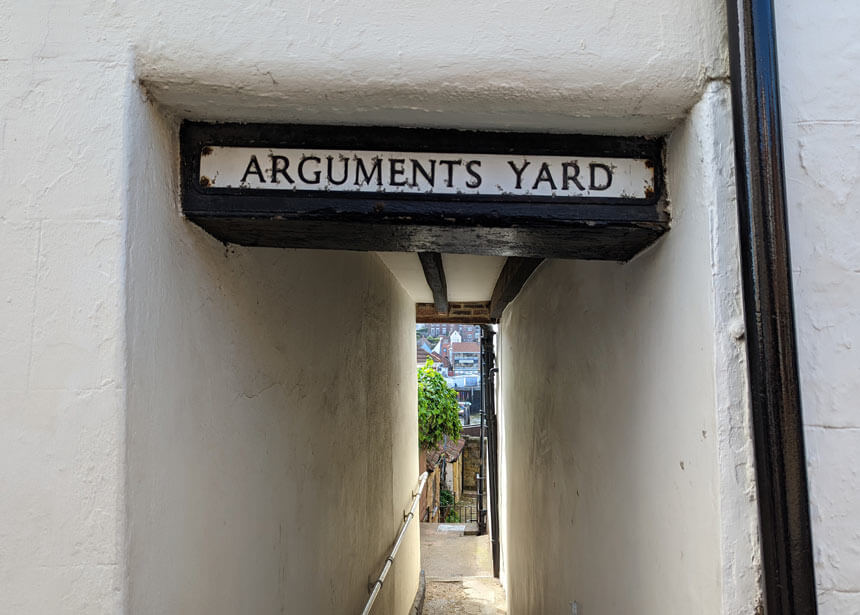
[789, 573]
[557, 226]
[511, 280]
[434, 273]
[588, 240]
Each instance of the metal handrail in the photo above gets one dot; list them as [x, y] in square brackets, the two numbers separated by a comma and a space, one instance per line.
[376, 586]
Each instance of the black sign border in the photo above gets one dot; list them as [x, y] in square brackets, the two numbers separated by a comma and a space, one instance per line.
[510, 225]
[200, 199]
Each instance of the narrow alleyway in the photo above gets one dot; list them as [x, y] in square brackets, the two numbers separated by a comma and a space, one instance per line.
[459, 572]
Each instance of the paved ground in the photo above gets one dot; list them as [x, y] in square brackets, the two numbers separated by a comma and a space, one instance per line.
[459, 572]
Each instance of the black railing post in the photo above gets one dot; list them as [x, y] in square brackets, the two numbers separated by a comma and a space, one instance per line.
[489, 402]
[479, 481]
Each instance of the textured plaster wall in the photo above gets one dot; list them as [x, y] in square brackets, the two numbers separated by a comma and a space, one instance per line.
[272, 439]
[62, 381]
[818, 55]
[627, 476]
[617, 65]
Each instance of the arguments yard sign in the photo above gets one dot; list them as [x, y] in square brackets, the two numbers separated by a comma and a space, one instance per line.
[423, 190]
[426, 173]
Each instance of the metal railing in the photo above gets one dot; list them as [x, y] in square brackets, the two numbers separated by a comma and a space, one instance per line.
[466, 511]
[376, 586]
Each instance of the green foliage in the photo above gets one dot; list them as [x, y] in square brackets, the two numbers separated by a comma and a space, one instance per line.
[446, 502]
[438, 412]
[446, 498]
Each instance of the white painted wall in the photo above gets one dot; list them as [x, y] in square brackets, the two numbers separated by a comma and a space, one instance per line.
[818, 57]
[95, 519]
[272, 416]
[62, 346]
[627, 471]
[486, 63]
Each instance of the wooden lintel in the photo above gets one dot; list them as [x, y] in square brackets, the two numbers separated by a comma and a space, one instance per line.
[532, 222]
[465, 313]
[434, 273]
[514, 274]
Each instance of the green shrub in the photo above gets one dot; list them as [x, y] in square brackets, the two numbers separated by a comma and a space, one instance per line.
[438, 412]
[446, 502]
[446, 498]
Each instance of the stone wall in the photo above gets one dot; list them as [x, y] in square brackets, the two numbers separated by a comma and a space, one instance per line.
[471, 463]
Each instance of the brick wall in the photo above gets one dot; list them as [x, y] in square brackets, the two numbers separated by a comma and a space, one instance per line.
[465, 313]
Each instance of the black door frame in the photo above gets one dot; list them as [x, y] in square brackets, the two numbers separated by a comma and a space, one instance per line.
[783, 497]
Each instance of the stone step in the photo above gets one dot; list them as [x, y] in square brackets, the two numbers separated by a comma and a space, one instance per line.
[465, 596]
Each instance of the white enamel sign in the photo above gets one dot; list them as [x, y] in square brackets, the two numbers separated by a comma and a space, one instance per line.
[425, 173]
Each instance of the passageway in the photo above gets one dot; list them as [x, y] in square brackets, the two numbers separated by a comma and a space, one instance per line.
[458, 571]
[272, 402]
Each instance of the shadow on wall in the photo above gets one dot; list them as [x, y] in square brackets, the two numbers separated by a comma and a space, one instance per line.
[271, 415]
